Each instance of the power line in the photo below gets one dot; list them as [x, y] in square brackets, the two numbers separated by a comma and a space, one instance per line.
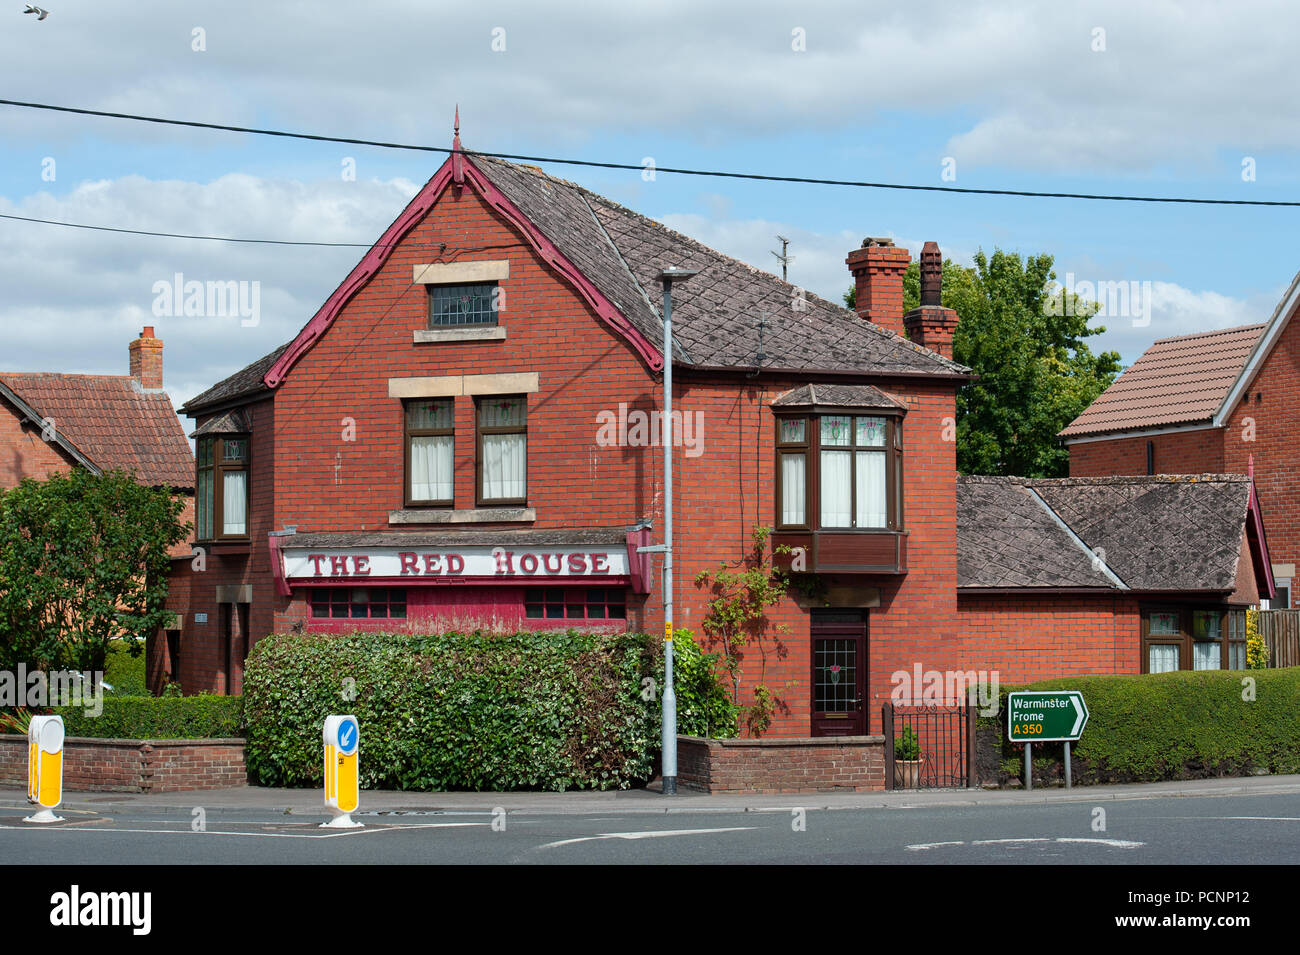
[184, 235]
[757, 177]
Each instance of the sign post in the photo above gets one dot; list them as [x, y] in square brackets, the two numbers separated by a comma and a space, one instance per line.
[342, 738]
[1045, 716]
[45, 767]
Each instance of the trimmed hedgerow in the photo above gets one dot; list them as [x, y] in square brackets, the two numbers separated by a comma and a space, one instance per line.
[1168, 726]
[458, 711]
[148, 717]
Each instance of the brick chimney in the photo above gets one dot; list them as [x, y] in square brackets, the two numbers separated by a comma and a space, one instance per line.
[878, 269]
[146, 359]
[932, 326]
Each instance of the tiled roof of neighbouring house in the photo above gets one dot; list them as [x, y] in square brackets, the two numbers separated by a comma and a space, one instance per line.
[1177, 381]
[113, 422]
[1158, 533]
[716, 317]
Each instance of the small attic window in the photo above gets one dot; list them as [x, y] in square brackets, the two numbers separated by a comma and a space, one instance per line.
[463, 306]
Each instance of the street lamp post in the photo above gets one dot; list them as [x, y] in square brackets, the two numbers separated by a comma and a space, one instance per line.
[669, 740]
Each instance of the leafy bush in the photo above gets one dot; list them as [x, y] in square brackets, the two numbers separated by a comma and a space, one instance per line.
[907, 746]
[1183, 725]
[148, 717]
[704, 707]
[458, 711]
[124, 671]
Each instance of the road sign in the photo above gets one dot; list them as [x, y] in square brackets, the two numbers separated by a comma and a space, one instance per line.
[342, 738]
[348, 735]
[45, 766]
[1046, 716]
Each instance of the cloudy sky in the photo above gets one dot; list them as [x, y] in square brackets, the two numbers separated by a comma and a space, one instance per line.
[1159, 98]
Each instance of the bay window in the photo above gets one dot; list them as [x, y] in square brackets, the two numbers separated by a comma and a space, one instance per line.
[844, 469]
[221, 488]
[502, 426]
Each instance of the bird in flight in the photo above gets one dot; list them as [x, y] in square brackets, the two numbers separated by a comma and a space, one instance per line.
[41, 14]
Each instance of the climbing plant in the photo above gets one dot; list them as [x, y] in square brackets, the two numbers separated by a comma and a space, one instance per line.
[736, 621]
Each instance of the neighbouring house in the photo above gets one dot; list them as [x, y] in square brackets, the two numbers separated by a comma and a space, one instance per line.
[54, 422]
[1223, 401]
[1064, 576]
[467, 432]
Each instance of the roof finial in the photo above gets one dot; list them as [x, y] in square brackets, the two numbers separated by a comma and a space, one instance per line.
[457, 159]
[1250, 466]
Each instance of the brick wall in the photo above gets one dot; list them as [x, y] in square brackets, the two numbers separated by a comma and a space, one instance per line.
[125, 765]
[1177, 452]
[1028, 638]
[809, 764]
[23, 453]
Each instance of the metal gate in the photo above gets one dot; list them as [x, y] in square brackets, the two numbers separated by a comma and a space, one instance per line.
[946, 735]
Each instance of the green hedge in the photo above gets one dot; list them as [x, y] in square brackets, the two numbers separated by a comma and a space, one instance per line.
[457, 711]
[1167, 726]
[704, 707]
[147, 717]
[124, 672]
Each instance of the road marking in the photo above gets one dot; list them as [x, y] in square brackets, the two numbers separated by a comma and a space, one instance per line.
[931, 845]
[1113, 843]
[652, 834]
[263, 835]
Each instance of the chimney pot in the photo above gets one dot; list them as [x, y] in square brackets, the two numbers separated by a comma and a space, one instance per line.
[931, 274]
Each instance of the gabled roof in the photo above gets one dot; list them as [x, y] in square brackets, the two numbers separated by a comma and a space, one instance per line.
[613, 257]
[112, 422]
[1159, 534]
[1177, 382]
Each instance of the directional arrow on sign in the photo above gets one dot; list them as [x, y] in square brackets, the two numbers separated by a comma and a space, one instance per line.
[1077, 700]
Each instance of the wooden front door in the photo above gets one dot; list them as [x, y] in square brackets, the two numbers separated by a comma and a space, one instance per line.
[839, 673]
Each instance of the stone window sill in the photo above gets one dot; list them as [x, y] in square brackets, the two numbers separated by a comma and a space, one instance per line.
[496, 333]
[469, 515]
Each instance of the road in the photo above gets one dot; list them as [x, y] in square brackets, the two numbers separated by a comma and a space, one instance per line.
[1230, 828]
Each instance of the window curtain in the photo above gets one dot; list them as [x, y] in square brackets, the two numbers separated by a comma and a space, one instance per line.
[505, 460]
[871, 489]
[1205, 656]
[234, 500]
[431, 462]
[203, 505]
[1236, 656]
[793, 490]
[837, 489]
[1162, 658]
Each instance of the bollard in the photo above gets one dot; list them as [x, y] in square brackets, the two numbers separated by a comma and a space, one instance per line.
[45, 767]
[342, 738]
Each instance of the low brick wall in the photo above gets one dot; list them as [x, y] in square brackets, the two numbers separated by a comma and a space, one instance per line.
[802, 764]
[134, 765]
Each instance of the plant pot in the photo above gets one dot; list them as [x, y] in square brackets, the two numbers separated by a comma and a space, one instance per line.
[907, 774]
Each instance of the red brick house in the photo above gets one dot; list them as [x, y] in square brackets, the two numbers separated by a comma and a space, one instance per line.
[466, 433]
[1215, 402]
[1067, 576]
[51, 423]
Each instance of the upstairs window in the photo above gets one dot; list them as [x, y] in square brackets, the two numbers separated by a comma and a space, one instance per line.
[221, 488]
[430, 452]
[462, 306]
[840, 472]
[502, 451]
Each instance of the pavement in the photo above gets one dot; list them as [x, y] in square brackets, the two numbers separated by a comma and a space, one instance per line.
[651, 800]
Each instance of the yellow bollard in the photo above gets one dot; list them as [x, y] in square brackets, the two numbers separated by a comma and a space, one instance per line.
[342, 738]
[45, 767]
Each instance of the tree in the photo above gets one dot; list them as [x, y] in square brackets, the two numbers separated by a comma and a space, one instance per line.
[1025, 340]
[83, 561]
